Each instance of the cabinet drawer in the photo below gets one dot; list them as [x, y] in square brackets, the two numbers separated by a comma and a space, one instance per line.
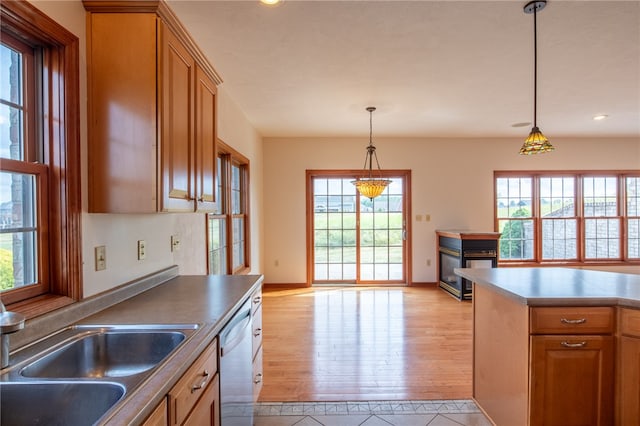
[186, 393]
[256, 300]
[257, 375]
[630, 322]
[207, 412]
[256, 330]
[571, 320]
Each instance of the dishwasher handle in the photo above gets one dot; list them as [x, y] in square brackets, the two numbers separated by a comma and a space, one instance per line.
[234, 332]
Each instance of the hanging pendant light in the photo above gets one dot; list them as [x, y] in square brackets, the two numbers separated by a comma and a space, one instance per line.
[371, 186]
[536, 142]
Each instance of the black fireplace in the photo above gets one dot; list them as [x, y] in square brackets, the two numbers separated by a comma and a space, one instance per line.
[464, 249]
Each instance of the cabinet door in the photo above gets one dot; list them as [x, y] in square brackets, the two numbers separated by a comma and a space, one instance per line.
[571, 380]
[629, 374]
[205, 142]
[207, 410]
[190, 389]
[122, 120]
[258, 375]
[177, 74]
[159, 416]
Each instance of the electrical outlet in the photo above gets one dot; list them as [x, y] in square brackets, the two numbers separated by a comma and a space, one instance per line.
[175, 243]
[101, 258]
[428, 262]
[142, 250]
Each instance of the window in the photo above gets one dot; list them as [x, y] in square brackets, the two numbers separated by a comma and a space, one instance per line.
[515, 217]
[632, 192]
[559, 219]
[568, 217]
[22, 177]
[228, 227]
[352, 239]
[40, 261]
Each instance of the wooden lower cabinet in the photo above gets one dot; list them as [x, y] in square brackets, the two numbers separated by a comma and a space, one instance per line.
[194, 400]
[628, 371]
[207, 410]
[159, 415]
[629, 384]
[551, 366]
[572, 380]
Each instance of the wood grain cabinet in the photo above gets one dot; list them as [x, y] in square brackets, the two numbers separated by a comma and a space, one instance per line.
[195, 399]
[151, 111]
[256, 324]
[628, 371]
[572, 364]
[159, 416]
[537, 366]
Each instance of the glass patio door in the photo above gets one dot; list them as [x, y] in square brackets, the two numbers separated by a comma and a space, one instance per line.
[356, 240]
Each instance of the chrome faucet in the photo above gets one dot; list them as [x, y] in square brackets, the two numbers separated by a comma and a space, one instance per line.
[10, 322]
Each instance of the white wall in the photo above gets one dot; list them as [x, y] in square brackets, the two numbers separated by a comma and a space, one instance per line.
[120, 233]
[452, 180]
[235, 130]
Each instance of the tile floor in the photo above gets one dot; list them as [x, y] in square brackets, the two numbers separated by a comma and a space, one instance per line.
[372, 413]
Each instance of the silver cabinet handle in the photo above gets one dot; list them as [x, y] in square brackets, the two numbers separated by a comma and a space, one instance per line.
[205, 378]
[573, 321]
[256, 300]
[258, 378]
[573, 345]
[257, 332]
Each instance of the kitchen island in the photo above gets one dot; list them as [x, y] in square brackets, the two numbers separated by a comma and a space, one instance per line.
[556, 346]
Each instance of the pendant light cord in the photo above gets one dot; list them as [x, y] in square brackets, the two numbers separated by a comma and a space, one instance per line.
[535, 67]
[371, 150]
[370, 127]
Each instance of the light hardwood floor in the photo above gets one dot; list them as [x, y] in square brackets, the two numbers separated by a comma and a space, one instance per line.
[365, 343]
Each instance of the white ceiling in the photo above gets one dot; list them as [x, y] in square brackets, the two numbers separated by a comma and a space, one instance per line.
[432, 68]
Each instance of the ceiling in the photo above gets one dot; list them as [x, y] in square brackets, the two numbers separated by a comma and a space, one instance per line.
[432, 68]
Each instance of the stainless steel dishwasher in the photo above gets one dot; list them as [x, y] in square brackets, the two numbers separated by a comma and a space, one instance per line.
[236, 386]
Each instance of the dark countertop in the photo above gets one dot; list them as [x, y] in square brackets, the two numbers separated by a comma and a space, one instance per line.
[468, 235]
[209, 301]
[559, 286]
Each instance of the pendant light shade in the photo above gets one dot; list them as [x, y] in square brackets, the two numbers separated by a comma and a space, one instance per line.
[371, 186]
[536, 142]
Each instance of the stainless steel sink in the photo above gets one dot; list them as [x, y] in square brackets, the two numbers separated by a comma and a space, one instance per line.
[56, 403]
[116, 353]
[76, 376]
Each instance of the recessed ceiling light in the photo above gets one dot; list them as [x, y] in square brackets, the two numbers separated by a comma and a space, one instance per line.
[600, 117]
[524, 124]
[270, 2]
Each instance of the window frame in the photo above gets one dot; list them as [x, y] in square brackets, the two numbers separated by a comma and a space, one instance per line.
[230, 158]
[60, 130]
[536, 216]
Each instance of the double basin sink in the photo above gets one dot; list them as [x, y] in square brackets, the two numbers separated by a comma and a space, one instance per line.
[77, 375]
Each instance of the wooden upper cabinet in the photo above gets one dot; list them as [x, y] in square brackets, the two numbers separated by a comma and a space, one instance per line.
[151, 113]
[177, 76]
[205, 141]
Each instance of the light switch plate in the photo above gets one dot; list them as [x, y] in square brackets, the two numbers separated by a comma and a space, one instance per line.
[175, 243]
[142, 249]
[101, 258]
